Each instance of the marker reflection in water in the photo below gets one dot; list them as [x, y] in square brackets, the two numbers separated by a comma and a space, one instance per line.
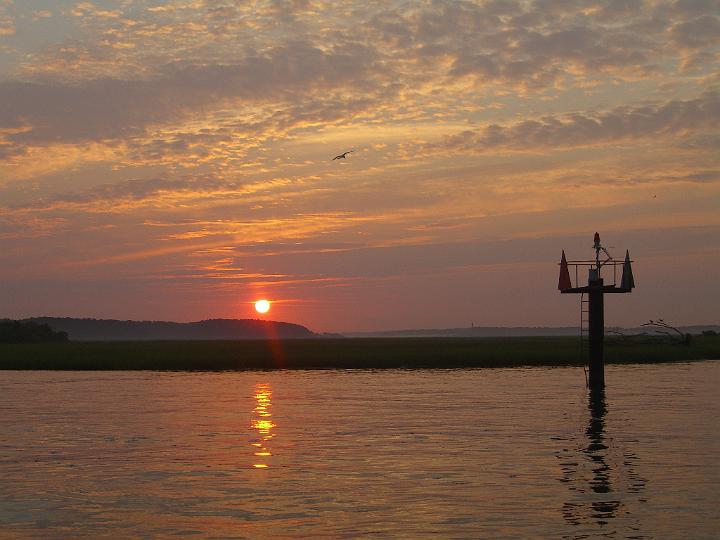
[603, 479]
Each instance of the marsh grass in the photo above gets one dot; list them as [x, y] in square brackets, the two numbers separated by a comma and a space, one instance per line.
[361, 353]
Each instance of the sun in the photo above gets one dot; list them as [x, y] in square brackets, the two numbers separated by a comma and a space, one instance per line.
[262, 306]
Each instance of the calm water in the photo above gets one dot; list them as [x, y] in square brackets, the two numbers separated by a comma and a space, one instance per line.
[501, 453]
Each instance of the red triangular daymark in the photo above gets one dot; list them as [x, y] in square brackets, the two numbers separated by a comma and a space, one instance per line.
[564, 281]
[627, 282]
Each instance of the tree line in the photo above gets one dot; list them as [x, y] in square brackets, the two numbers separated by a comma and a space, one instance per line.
[28, 332]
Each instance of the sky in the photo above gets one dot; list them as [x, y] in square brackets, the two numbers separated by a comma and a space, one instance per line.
[172, 160]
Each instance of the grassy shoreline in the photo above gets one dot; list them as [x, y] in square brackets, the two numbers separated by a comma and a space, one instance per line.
[350, 353]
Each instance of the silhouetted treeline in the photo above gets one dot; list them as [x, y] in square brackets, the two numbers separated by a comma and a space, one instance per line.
[214, 329]
[28, 332]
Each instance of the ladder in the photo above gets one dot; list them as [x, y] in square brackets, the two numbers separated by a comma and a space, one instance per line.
[584, 318]
[584, 331]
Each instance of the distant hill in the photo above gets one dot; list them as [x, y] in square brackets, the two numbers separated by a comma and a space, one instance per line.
[518, 331]
[476, 331]
[213, 329]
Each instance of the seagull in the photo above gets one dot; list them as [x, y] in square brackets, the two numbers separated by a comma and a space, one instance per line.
[342, 156]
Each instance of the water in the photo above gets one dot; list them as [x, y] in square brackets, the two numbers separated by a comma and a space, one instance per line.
[502, 453]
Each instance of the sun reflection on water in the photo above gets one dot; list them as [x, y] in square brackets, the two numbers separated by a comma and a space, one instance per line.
[263, 424]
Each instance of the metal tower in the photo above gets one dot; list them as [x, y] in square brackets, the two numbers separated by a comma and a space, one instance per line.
[595, 291]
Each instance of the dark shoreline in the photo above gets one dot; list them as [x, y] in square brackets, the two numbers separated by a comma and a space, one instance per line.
[349, 353]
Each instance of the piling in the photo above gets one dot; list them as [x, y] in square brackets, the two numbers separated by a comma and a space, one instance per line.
[596, 334]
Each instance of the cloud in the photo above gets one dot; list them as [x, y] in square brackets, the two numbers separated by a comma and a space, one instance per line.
[164, 192]
[534, 60]
[107, 109]
[528, 46]
[697, 33]
[7, 26]
[673, 118]
[302, 63]
[26, 225]
[401, 261]
[649, 179]
[7, 22]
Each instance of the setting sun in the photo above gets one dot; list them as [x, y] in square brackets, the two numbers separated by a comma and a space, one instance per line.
[262, 306]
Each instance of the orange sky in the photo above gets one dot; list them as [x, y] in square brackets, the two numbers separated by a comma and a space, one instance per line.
[172, 160]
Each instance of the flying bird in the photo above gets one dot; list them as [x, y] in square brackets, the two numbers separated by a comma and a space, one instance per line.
[343, 155]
